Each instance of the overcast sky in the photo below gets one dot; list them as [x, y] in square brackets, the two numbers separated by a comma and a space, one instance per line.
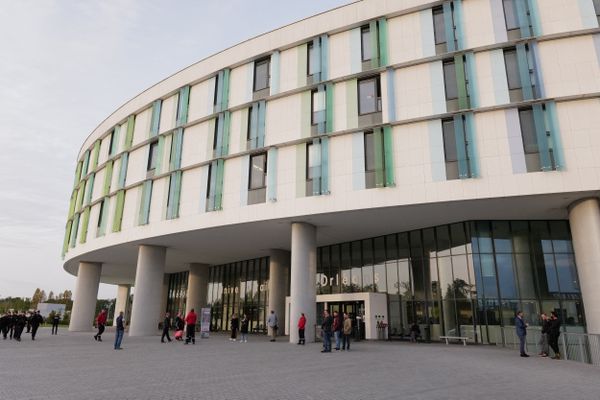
[64, 67]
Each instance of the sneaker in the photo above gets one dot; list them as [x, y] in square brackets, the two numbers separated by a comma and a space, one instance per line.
[524, 355]
[96, 338]
[234, 340]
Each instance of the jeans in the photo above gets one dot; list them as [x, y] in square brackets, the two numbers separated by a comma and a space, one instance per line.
[326, 340]
[243, 337]
[346, 342]
[522, 344]
[337, 335]
[118, 338]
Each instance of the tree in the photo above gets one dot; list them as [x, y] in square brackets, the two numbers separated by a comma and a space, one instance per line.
[51, 295]
[36, 298]
[67, 294]
[44, 297]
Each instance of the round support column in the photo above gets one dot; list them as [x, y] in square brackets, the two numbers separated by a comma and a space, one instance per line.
[122, 303]
[147, 298]
[303, 292]
[279, 266]
[86, 294]
[584, 218]
[197, 289]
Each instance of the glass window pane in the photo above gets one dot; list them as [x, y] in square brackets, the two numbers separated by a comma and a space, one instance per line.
[261, 74]
[391, 269]
[439, 27]
[510, 14]
[367, 252]
[314, 160]
[369, 151]
[356, 279]
[310, 59]
[525, 276]
[450, 80]
[379, 278]
[458, 238]
[512, 69]
[530, 144]
[502, 237]
[506, 276]
[551, 277]
[367, 96]
[318, 101]
[597, 7]
[391, 247]
[443, 240]
[379, 250]
[417, 273]
[258, 171]
[152, 155]
[365, 35]
[488, 276]
[561, 238]
[567, 273]
[520, 234]
[404, 278]
[461, 282]
[445, 276]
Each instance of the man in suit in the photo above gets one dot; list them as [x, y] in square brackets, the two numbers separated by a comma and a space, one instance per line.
[521, 327]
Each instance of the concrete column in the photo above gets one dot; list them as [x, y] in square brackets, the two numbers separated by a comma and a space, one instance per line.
[147, 298]
[584, 217]
[86, 294]
[279, 266]
[197, 289]
[303, 291]
[122, 303]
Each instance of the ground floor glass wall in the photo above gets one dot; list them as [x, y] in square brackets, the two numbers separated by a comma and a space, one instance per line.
[177, 293]
[464, 279]
[241, 288]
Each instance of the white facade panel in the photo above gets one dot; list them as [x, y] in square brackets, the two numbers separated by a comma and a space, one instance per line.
[559, 16]
[158, 202]
[283, 119]
[137, 164]
[197, 140]
[289, 69]
[201, 99]
[339, 50]
[478, 26]
[414, 91]
[168, 113]
[141, 129]
[240, 84]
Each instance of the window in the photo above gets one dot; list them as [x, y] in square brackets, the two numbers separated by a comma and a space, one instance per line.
[365, 47]
[261, 74]
[450, 83]
[515, 87]
[450, 150]
[257, 182]
[597, 8]
[311, 67]
[152, 156]
[369, 96]
[318, 107]
[313, 168]
[439, 27]
[374, 159]
[216, 93]
[530, 142]
[510, 15]
[112, 144]
[516, 12]
[100, 216]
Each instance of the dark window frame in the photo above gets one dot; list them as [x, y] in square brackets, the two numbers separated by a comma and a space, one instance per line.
[444, 64]
[216, 90]
[264, 174]
[152, 156]
[436, 11]
[364, 30]
[378, 106]
[257, 64]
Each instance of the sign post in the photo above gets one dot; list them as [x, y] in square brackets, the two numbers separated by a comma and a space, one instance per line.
[204, 322]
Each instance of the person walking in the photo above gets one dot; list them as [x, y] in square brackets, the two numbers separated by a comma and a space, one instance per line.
[120, 331]
[55, 321]
[12, 323]
[179, 325]
[36, 321]
[338, 323]
[326, 327]
[554, 333]
[28, 316]
[101, 324]
[4, 325]
[190, 320]
[301, 327]
[20, 322]
[235, 325]
[347, 332]
[272, 324]
[244, 329]
[521, 328]
[544, 335]
[166, 327]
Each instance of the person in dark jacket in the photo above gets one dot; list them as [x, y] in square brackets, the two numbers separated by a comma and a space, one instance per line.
[12, 319]
[20, 322]
[338, 325]
[244, 329]
[120, 331]
[326, 327]
[179, 326]
[4, 325]
[36, 321]
[415, 332]
[166, 327]
[235, 325]
[544, 335]
[521, 328]
[29, 316]
[554, 334]
[55, 321]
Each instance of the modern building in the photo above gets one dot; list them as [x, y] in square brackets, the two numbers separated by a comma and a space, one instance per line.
[407, 161]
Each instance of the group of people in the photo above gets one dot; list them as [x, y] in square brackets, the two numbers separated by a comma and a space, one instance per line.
[340, 325]
[12, 324]
[189, 323]
[549, 335]
[241, 325]
[101, 319]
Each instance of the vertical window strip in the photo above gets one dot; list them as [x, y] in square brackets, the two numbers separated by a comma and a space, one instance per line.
[218, 139]
[219, 184]
[459, 67]
[108, 170]
[123, 171]
[315, 60]
[103, 216]
[449, 26]
[374, 37]
[89, 189]
[144, 213]
[554, 129]
[218, 95]
[324, 57]
[84, 225]
[114, 144]
[80, 192]
[272, 174]
[524, 71]
[78, 173]
[388, 150]
[183, 102]
[461, 151]
[470, 78]
[212, 186]
[391, 94]
[329, 107]
[471, 145]
[382, 33]
[457, 17]
[129, 134]
[543, 137]
[262, 108]
[67, 237]
[379, 161]
[74, 229]
[159, 155]
[523, 14]
[253, 126]
[174, 195]
[86, 163]
[72, 203]
[225, 133]
[176, 148]
[155, 119]
[118, 218]
[275, 72]
[314, 166]
[225, 89]
[95, 155]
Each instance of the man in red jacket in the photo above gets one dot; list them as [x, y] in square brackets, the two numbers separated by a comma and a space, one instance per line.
[101, 323]
[190, 321]
[301, 326]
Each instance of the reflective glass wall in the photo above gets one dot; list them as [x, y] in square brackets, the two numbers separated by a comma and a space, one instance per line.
[242, 288]
[177, 293]
[464, 279]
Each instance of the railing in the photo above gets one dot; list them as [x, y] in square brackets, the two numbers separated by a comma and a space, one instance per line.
[580, 347]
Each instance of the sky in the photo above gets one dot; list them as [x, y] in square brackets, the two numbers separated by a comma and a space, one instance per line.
[65, 65]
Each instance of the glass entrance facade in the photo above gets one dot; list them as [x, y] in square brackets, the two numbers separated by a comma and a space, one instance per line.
[464, 279]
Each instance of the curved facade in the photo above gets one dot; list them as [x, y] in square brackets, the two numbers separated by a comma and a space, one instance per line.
[450, 123]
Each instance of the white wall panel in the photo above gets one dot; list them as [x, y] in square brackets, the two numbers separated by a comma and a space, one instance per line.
[136, 168]
[196, 141]
[168, 113]
[141, 127]
[201, 99]
[283, 119]
[339, 55]
[240, 84]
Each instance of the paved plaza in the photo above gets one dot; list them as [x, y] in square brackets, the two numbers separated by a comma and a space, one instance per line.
[74, 366]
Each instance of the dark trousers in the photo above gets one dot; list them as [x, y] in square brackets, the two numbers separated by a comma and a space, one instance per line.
[5, 331]
[234, 333]
[327, 341]
[522, 344]
[346, 342]
[100, 330]
[55, 329]
[190, 334]
[17, 332]
[165, 333]
[553, 342]
[301, 336]
[34, 329]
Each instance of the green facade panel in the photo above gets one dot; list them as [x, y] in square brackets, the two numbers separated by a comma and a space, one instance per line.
[183, 103]
[144, 210]
[155, 118]
[118, 217]
[108, 170]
